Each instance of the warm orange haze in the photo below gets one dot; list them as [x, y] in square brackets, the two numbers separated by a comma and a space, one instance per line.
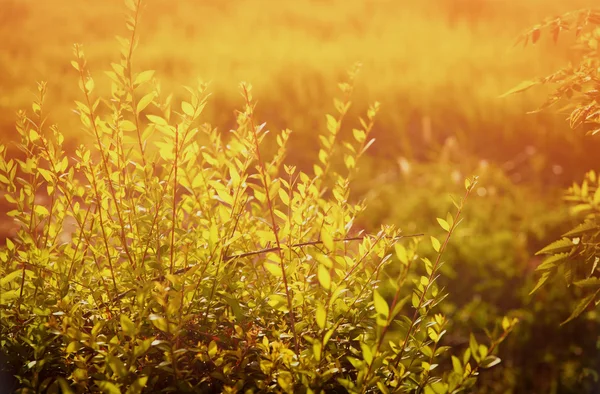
[428, 90]
[438, 65]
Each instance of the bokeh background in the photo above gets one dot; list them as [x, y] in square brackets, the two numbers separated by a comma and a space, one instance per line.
[438, 68]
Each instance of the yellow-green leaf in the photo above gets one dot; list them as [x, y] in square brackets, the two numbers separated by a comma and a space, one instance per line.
[157, 120]
[10, 277]
[278, 302]
[521, 87]
[187, 108]
[127, 325]
[443, 224]
[137, 386]
[41, 210]
[381, 305]
[143, 77]
[327, 239]
[324, 277]
[127, 125]
[108, 387]
[33, 135]
[212, 349]
[159, 322]
[436, 244]
[144, 101]
[321, 316]
[6, 296]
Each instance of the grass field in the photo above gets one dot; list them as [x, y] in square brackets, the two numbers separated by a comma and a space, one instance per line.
[442, 64]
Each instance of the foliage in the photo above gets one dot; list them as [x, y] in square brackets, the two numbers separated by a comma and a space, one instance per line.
[170, 257]
[576, 254]
[495, 265]
[576, 84]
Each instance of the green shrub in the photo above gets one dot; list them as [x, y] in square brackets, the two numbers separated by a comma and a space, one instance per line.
[167, 256]
[576, 255]
[494, 263]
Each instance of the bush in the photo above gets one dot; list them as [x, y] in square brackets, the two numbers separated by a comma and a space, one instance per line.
[576, 253]
[165, 256]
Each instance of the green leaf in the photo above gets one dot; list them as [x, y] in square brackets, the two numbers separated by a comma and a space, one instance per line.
[157, 120]
[381, 305]
[317, 346]
[490, 361]
[187, 108]
[401, 253]
[72, 347]
[383, 388]
[278, 302]
[328, 335]
[159, 322]
[212, 349]
[47, 175]
[583, 304]
[540, 282]
[473, 345]
[327, 239]
[108, 387]
[144, 102]
[41, 210]
[64, 385]
[443, 224]
[127, 325]
[332, 123]
[582, 229]
[10, 277]
[521, 87]
[273, 268]
[457, 366]
[321, 316]
[589, 282]
[552, 261]
[415, 300]
[562, 245]
[324, 277]
[143, 77]
[117, 366]
[6, 296]
[467, 185]
[127, 125]
[367, 353]
[436, 244]
[137, 386]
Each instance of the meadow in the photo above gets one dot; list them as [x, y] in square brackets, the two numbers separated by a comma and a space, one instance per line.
[437, 68]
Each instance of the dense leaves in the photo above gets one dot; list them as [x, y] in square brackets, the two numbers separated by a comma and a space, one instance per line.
[167, 256]
[577, 254]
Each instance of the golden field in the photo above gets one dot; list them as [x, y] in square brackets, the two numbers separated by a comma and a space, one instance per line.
[434, 65]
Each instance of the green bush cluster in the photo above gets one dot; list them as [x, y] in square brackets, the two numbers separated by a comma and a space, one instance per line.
[168, 256]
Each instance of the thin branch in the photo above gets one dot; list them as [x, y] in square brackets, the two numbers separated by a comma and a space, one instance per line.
[254, 253]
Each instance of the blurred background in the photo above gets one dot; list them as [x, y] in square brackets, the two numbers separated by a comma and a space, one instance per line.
[438, 68]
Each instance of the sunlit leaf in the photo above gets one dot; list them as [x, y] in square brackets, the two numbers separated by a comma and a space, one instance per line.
[324, 277]
[435, 243]
[521, 87]
[321, 316]
[581, 306]
[443, 224]
[127, 325]
[381, 305]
